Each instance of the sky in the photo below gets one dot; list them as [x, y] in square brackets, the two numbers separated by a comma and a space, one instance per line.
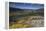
[26, 5]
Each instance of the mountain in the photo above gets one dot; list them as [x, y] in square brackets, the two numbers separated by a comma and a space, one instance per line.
[18, 11]
[24, 12]
[14, 9]
[40, 11]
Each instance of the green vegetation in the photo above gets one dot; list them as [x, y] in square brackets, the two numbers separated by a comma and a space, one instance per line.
[21, 19]
[20, 26]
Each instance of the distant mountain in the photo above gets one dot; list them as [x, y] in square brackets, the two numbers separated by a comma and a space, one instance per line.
[40, 11]
[19, 11]
[26, 11]
[14, 9]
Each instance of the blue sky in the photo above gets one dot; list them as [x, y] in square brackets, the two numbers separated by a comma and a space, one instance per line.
[26, 5]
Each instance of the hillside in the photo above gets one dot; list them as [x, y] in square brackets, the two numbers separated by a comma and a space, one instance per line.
[25, 18]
